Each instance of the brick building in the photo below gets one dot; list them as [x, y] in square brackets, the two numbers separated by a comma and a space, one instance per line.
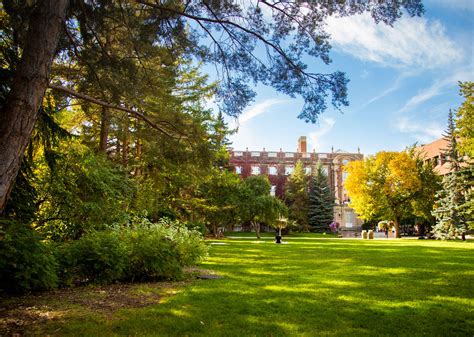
[434, 153]
[278, 165]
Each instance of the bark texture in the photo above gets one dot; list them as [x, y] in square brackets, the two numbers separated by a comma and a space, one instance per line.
[20, 111]
[104, 129]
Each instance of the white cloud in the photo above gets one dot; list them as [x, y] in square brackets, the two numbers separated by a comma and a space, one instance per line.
[423, 133]
[326, 125]
[411, 42]
[258, 109]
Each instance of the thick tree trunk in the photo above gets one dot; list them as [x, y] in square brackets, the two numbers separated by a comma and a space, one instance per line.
[104, 129]
[20, 111]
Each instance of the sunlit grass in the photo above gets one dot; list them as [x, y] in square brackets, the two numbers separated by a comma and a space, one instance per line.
[310, 287]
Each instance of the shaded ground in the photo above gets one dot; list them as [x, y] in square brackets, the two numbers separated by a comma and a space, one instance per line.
[18, 314]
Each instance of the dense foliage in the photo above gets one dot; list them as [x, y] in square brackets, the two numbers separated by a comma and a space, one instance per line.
[384, 186]
[321, 201]
[296, 196]
[453, 207]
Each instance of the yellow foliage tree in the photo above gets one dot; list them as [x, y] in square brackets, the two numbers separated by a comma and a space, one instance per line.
[383, 186]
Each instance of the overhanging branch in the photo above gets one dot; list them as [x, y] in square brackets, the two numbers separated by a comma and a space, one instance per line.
[97, 101]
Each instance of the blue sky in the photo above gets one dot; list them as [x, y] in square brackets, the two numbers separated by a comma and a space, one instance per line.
[403, 81]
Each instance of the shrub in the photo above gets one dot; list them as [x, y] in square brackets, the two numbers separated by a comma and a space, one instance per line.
[26, 262]
[96, 257]
[160, 250]
[145, 251]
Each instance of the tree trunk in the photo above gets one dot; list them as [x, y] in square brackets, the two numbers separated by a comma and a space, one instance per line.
[256, 226]
[397, 227]
[138, 153]
[20, 111]
[126, 142]
[104, 129]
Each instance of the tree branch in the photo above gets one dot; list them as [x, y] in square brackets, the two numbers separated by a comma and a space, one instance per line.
[134, 113]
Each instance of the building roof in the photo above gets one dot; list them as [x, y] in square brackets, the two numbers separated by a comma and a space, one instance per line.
[433, 150]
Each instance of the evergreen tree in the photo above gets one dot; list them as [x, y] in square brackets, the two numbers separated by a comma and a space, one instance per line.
[450, 218]
[296, 195]
[321, 201]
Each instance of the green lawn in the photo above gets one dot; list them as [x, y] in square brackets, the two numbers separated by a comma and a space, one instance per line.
[332, 287]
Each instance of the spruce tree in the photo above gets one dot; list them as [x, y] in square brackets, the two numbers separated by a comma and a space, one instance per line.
[450, 218]
[321, 202]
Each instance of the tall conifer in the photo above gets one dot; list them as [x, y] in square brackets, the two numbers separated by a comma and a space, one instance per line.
[450, 220]
[321, 201]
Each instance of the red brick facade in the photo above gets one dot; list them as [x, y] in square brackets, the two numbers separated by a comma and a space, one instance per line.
[277, 165]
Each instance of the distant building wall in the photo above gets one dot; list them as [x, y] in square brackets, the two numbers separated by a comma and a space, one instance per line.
[278, 165]
[434, 154]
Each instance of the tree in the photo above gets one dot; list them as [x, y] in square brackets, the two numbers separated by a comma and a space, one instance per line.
[465, 121]
[383, 186]
[321, 201]
[451, 221]
[296, 196]
[424, 201]
[256, 205]
[293, 31]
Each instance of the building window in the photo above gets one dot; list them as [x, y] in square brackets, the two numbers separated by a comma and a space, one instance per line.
[307, 170]
[272, 170]
[238, 154]
[255, 170]
[289, 155]
[273, 190]
[255, 154]
[322, 155]
[272, 154]
[306, 155]
[289, 170]
[238, 169]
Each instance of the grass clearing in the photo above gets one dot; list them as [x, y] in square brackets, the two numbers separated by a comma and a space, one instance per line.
[333, 287]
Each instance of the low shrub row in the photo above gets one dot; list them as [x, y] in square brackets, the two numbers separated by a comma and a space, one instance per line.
[147, 251]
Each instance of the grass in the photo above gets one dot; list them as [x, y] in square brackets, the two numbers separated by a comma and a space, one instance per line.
[266, 235]
[332, 287]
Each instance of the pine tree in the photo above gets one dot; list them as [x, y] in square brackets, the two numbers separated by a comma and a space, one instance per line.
[450, 218]
[296, 196]
[321, 202]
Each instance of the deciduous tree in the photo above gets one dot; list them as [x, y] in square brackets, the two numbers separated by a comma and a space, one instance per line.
[383, 186]
[296, 196]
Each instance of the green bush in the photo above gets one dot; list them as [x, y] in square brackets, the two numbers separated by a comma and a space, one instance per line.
[96, 257]
[145, 251]
[160, 250]
[26, 262]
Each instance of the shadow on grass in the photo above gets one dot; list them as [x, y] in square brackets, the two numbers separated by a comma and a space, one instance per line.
[311, 288]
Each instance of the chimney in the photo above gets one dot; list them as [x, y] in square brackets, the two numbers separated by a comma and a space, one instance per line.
[302, 144]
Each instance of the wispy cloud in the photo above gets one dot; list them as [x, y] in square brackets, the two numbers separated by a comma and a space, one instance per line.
[411, 42]
[326, 125]
[258, 109]
[437, 88]
[423, 133]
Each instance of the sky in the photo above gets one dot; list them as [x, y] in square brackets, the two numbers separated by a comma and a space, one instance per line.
[403, 81]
